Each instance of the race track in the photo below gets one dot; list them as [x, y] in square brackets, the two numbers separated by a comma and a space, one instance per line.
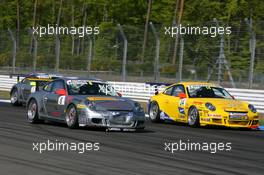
[124, 153]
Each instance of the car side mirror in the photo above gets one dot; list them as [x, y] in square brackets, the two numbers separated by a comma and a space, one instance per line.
[119, 94]
[182, 95]
[60, 92]
[157, 92]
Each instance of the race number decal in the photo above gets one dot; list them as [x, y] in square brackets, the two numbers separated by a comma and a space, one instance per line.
[33, 89]
[61, 100]
[182, 102]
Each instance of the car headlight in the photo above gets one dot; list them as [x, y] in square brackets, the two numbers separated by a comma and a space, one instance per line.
[210, 106]
[90, 105]
[138, 108]
[252, 108]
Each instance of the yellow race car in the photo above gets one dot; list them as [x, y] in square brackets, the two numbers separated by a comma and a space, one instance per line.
[200, 104]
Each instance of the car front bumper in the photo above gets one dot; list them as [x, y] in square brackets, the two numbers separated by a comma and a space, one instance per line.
[251, 120]
[112, 119]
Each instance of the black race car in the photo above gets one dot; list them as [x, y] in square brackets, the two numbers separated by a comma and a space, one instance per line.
[30, 83]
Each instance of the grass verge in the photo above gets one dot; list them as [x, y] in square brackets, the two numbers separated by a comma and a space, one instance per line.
[261, 120]
[144, 106]
[4, 95]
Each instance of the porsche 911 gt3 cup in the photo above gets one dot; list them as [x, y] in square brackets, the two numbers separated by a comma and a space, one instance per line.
[200, 104]
[84, 102]
[30, 83]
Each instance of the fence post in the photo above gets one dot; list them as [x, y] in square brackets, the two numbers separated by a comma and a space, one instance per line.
[157, 50]
[124, 52]
[35, 43]
[89, 56]
[252, 48]
[14, 51]
[220, 61]
[57, 53]
[181, 58]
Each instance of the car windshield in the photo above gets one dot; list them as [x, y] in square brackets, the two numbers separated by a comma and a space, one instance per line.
[203, 91]
[87, 87]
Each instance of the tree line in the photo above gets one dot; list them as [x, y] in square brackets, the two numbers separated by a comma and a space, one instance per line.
[18, 15]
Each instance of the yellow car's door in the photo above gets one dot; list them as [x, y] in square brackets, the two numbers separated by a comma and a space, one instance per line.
[163, 99]
[174, 107]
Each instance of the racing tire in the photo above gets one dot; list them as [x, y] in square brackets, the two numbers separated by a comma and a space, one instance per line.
[32, 112]
[154, 112]
[14, 98]
[71, 117]
[193, 117]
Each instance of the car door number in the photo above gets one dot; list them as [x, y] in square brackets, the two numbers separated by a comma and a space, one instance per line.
[182, 102]
[33, 89]
[61, 100]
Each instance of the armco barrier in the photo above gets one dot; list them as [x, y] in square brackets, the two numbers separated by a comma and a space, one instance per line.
[142, 91]
[6, 82]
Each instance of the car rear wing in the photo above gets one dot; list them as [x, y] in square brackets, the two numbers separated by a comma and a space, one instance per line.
[158, 85]
[39, 76]
[18, 76]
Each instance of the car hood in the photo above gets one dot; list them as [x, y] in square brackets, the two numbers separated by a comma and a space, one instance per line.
[111, 103]
[225, 104]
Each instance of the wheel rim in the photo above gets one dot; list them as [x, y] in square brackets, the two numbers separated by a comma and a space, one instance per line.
[70, 117]
[32, 110]
[14, 97]
[154, 111]
[192, 116]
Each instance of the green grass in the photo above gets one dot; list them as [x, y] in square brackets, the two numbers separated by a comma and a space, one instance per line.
[144, 106]
[261, 121]
[4, 95]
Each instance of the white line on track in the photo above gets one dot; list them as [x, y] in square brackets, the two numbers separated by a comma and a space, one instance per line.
[5, 101]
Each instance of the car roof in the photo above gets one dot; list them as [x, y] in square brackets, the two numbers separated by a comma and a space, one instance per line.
[39, 79]
[197, 83]
[82, 78]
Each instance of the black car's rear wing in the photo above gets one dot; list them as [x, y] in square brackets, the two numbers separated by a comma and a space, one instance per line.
[157, 85]
[35, 76]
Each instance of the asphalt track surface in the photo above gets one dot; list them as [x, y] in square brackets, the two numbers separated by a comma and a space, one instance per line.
[124, 152]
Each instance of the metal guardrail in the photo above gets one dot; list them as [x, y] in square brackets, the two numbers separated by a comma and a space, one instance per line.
[142, 91]
[6, 82]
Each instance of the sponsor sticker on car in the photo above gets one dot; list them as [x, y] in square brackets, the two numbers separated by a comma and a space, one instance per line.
[237, 116]
[182, 102]
[181, 110]
[101, 99]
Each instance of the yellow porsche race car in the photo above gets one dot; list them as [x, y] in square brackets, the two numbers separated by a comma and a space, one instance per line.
[200, 104]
